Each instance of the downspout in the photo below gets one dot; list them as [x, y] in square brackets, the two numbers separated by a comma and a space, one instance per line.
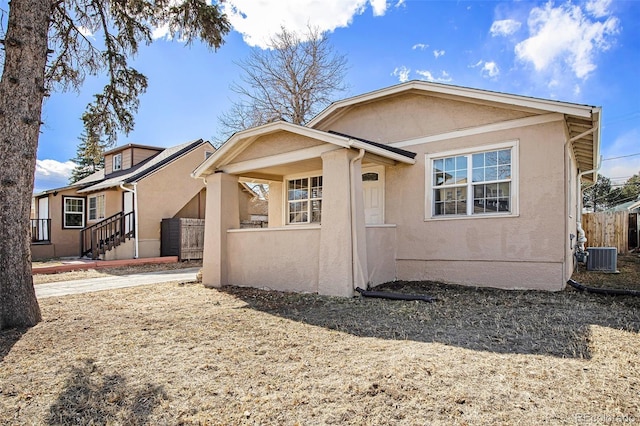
[135, 214]
[356, 265]
[581, 235]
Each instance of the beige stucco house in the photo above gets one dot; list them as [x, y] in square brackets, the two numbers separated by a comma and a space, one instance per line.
[418, 181]
[123, 204]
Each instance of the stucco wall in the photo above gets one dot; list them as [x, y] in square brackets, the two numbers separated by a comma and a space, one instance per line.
[410, 116]
[381, 253]
[163, 194]
[488, 251]
[275, 143]
[284, 259]
[64, 242]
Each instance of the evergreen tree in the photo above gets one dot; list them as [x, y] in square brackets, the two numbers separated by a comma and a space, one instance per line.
[45, 47]
[89, 157]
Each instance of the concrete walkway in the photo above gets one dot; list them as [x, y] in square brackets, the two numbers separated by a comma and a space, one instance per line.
[64, 288]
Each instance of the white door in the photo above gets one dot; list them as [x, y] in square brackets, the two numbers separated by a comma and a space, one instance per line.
[128, 208]
[373, 191]
[43, 213]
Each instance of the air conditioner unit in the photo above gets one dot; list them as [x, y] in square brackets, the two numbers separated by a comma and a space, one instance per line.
[604, 259]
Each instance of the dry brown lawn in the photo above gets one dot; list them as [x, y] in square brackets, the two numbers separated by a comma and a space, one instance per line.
[105, 272]
[179, 353]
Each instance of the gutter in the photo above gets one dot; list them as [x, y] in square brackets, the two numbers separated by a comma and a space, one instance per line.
[135, 214]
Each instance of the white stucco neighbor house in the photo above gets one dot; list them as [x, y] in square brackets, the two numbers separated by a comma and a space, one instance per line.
[418, 181]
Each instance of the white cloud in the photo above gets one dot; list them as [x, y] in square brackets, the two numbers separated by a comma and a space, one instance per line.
[402, 73]
[438, 53]
[419, 46]
[598, 8]
[258, 21]
[53, 168]
[428, 75]
[563, 34]
[84, 31]
[52, 174]
[379, 7]
[490, 69]
[504, 27]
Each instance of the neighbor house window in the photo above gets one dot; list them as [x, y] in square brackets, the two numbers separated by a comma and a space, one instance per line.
[96, 207]
[117, 162]
[304, 200]
[73, 215]
[473, 183]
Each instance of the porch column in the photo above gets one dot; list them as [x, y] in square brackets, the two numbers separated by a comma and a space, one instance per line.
[275, 204]
[336, 254]
[222, 214]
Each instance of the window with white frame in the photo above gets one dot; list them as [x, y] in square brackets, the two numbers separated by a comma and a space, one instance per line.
[117, 162]
[473, 183]
[96, 207]
[73, 214]
[304, 200]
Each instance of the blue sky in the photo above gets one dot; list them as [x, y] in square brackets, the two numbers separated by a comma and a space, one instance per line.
[586, 52]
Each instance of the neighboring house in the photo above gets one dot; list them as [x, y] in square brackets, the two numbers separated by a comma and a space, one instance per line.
[418, 181]
[119, 210]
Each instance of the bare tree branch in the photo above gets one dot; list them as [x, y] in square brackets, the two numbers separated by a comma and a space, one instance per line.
[292, 80]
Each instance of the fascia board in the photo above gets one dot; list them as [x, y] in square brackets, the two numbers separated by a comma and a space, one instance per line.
[238, 142]
[583, 111]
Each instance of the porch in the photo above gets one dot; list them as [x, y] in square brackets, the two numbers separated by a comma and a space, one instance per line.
[287, 258]
[326, 231]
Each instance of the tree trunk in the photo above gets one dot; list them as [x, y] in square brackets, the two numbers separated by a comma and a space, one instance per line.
[21, 95]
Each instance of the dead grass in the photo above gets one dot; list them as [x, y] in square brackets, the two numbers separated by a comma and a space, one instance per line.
[628, 276]
[105, 272]
[183, 354]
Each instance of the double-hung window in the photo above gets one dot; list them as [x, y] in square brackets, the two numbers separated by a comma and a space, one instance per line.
[304, 200]
[73, 214]
[473, 183]
[96, 207]
[117, 162]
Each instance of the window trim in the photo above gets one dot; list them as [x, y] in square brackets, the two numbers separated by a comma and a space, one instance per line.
[104, 207]
[64, 212]
[515, 158]
[285, 197]
[119, 162]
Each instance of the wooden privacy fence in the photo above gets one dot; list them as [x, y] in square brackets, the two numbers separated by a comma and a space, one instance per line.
[182, 237]
[607, 229]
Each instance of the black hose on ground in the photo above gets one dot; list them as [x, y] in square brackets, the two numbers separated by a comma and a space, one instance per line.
[395, 296]
[607, 291]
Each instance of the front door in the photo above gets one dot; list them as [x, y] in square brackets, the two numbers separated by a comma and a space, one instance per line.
[43, 213]
[128, 208]
[373, 191]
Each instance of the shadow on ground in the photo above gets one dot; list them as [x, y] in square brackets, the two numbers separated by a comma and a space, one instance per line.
[502, 321]
[8, 338]
[90, 397]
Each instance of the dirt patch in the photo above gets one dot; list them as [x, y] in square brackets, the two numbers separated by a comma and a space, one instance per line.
[183, 354]
[105, 272]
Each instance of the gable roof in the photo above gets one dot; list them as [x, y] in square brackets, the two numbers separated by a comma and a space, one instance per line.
[241, 140]
[582, 121]
[133, 145]
[99, 181]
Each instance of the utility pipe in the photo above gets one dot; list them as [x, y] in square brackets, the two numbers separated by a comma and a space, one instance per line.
[356, 266]
[607, 291]
[135, 214]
